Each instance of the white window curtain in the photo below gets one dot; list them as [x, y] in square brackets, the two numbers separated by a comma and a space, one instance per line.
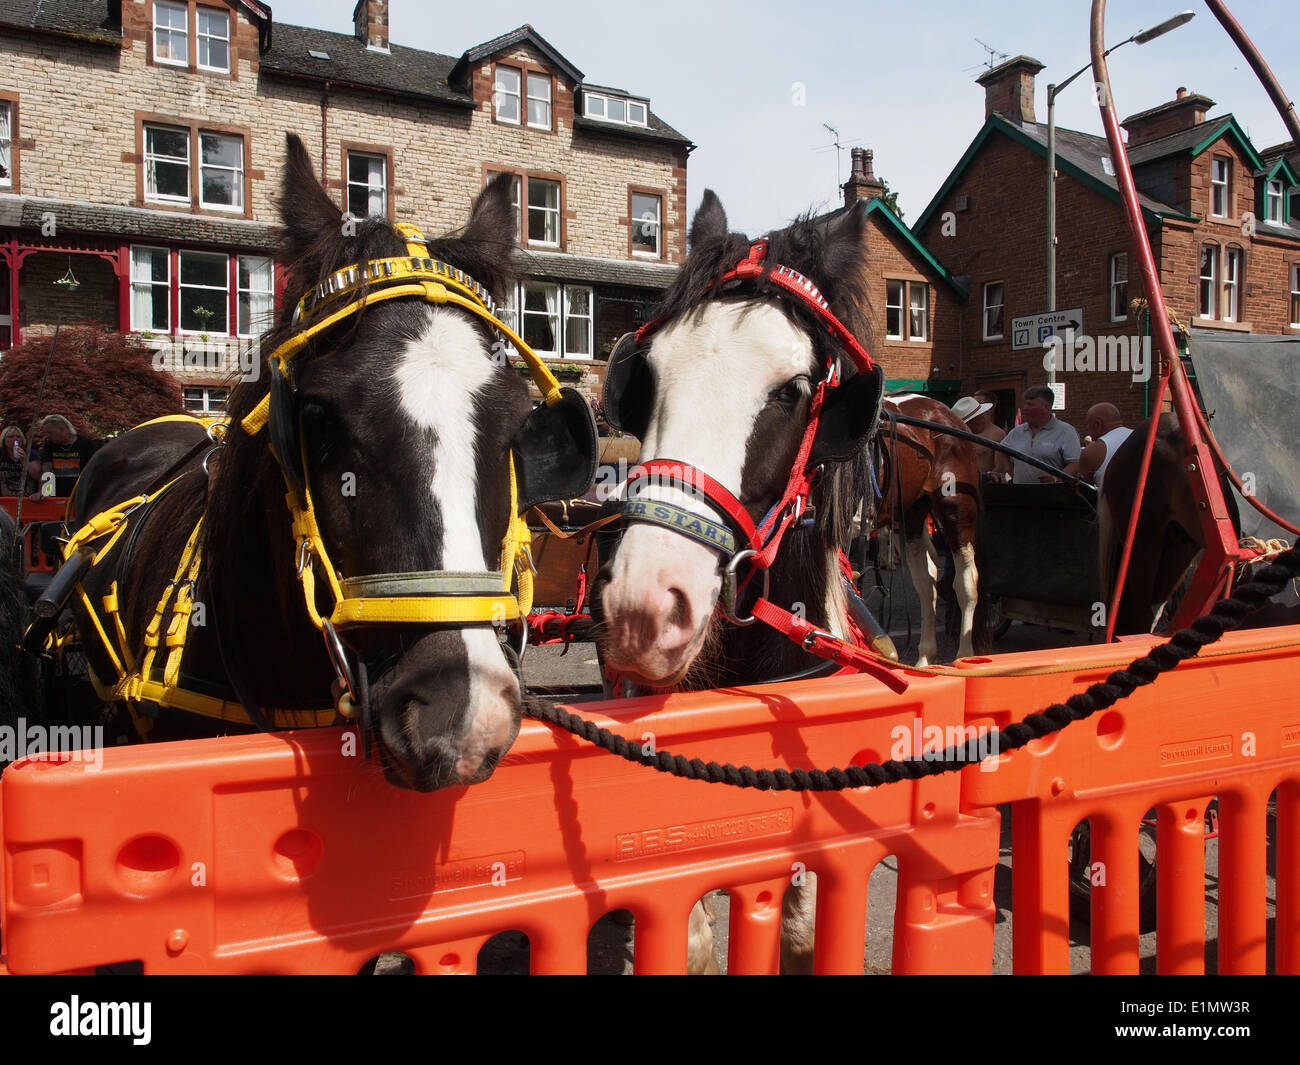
[256, 295]
[577, 321]
[6, 147]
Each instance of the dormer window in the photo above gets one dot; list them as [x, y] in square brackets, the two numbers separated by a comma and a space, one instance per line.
[171, 34]
[1273, 193]
[199, 43]
[618, 109]
[1219, 187]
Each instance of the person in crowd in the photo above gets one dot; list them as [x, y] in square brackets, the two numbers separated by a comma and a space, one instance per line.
[13, 462]
[1108, 431]
[1040, 435]
[974, 411]
[64, 455]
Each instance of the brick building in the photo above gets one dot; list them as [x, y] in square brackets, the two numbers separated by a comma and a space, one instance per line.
[141, 143]
[914, 304]
[1218, 213]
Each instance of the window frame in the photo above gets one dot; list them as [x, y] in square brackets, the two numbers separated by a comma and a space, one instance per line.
[9, 103]
[207, 407]
[588, 98]
[523, 179]
[511, 311]
[184, 8]
[924, 288]
[134, 283]
[1122, 306]
[240, 185]
[528, 98]
[633, 191]
[155, 196]
[1232, 285]
[228, 39]
[1224, 186]
[1279, 199]
[195, 130]
[1208, 284]
[1295, 296]
[498, 92]
[232, 288]
[191, 63]
[1001, 305]
[374, 151]
[899, 307]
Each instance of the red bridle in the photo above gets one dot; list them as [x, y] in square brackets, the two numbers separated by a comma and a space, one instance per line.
[764, 539]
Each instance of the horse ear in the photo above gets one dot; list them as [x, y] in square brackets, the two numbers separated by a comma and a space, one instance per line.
[710, 219]
[844, 243]
[307, 211]
[848, 418]
[492, 219]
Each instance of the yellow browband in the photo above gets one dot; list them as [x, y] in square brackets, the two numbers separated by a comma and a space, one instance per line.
[383, 279]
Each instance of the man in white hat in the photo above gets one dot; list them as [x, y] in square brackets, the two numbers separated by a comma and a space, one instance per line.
[974, 411]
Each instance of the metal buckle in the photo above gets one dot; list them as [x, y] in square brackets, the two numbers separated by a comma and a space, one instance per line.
[811, 638]
[339, 658]
[729, 586]
[303, 549]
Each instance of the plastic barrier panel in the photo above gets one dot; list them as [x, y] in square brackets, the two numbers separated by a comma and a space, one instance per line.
[284, 853]
[1225, 724]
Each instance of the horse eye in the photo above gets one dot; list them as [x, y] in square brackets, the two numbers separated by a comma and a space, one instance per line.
[791, 392]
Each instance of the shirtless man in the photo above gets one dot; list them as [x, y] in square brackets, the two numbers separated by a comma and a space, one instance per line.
[1108, 431]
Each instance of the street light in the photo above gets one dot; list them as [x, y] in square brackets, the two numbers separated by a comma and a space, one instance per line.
[1141, 37]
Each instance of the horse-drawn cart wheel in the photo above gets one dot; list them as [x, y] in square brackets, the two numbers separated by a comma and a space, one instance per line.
[1082, 872]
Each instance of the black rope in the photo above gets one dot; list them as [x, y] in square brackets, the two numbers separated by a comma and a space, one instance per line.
[1227, 614]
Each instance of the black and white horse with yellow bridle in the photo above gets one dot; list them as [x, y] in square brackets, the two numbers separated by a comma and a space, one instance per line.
[402, 455]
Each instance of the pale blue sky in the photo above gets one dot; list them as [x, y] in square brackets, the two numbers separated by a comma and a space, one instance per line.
[898, 78]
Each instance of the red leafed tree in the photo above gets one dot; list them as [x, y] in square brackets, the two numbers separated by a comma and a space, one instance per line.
[102, 382]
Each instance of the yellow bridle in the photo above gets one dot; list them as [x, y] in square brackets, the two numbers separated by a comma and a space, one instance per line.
[397, 598]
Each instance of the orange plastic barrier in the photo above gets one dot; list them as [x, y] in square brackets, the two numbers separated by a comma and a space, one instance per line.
[1225, 725]
[283, 854]
[51, 508]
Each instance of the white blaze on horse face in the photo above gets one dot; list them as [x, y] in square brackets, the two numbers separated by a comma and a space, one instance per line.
[450, 359]
[714, 373]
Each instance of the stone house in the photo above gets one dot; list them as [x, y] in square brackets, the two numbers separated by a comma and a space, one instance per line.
[141, 143]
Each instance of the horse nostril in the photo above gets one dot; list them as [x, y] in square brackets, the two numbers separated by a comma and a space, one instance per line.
[679, 614]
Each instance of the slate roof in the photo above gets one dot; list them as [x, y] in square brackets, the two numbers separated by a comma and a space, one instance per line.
[405, 71]
[1174, 143]
[555, 266]
[524, 34]
[79, 218]
[70, 18]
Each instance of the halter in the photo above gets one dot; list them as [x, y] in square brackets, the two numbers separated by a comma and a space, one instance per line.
[762, 541]
[429, 597]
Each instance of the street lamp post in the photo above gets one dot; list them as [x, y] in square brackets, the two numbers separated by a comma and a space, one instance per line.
[1141, 37]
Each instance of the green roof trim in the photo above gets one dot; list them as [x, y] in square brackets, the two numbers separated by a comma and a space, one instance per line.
[1291, 178]
[922, 384]
[1228, 124]
[877, 206]
[998, 124]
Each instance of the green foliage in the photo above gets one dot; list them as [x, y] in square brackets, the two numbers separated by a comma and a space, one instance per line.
[103, 382]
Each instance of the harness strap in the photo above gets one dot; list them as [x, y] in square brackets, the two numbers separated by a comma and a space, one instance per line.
[826, 645]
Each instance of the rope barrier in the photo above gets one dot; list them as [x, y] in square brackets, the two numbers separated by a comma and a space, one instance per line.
[1226, 615]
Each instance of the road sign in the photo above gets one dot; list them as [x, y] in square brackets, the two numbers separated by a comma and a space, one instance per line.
[1031, 331]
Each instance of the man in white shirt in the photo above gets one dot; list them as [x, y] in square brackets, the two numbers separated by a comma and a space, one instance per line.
[1108, 431]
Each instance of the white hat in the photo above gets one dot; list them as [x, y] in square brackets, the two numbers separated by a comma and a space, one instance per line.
[969, 407]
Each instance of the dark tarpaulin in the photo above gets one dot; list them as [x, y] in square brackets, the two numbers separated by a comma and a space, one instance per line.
[1251, 386]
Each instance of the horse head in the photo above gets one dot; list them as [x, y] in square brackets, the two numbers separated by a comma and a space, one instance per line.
[407, 434]
[722, 385]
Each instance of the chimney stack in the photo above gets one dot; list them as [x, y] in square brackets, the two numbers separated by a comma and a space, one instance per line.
[370, 23]
[863, 183]
[1009, 89]
[1184, 111]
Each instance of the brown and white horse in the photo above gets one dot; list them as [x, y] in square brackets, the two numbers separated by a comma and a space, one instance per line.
[724, 384]
[923, 473]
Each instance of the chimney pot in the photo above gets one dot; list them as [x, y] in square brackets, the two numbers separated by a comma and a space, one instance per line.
[863, 183]
[1180, 92]
[370, 23]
